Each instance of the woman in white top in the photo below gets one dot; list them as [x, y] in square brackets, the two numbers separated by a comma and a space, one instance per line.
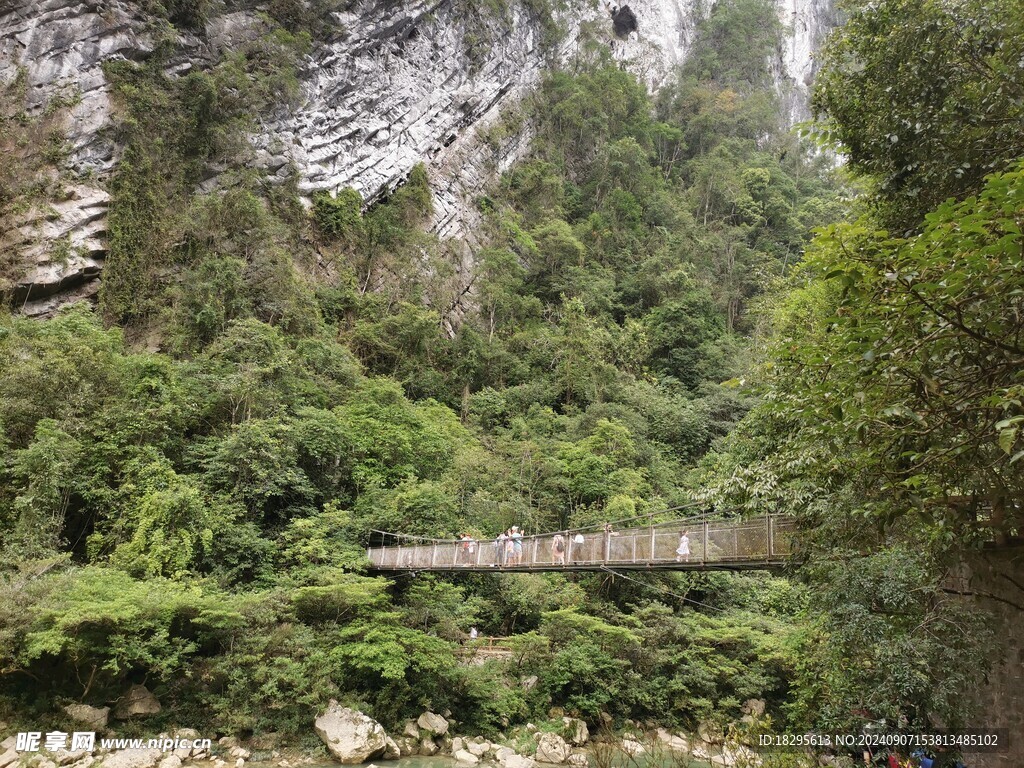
[683, 551]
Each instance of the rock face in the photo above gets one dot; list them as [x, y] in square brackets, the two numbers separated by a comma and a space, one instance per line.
[809, 22]
[61, 45]
[137, 702]
[351, 736]
[398, 84]
[551, 748]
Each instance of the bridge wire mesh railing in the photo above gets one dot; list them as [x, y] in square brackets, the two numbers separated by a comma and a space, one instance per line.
[764, 539]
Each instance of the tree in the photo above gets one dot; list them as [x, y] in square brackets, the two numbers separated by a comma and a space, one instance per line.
[889, 641]
[918, 378]
[925, 97]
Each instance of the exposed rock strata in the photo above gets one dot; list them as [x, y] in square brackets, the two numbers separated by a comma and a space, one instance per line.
[399, 86]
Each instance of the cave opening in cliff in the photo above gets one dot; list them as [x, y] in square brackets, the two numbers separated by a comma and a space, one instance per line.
[624, 21]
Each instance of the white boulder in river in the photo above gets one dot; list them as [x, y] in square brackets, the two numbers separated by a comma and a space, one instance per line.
[551, 748]
[351, 736]
[435, 725]
[578, 733]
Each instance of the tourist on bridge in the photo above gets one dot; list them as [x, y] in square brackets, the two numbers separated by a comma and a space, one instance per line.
[683, 550]
[517, 545]
[467, 547]
[558, 550]
[499, 548]
[577, 547]
[608, 533]
[510, 548]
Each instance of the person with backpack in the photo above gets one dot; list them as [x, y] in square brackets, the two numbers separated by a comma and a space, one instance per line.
[558, 550]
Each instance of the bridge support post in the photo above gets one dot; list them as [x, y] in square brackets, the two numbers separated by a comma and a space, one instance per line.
[433, 554]
[652, 543]
[704, 549]
[771, 537]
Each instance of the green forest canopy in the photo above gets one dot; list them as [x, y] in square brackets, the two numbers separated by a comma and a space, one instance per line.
[194, 517]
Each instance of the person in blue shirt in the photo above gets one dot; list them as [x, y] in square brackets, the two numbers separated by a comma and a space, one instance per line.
[517, 545]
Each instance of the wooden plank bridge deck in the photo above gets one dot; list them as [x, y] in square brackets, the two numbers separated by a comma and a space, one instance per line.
[748, 544]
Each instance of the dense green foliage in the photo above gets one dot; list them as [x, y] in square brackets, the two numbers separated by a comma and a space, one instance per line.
[173, 129]
[891, 413]
[195, 517]
[925, 97]
[188, 475]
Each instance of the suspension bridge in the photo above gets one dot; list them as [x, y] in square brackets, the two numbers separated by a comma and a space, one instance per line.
[763, 543]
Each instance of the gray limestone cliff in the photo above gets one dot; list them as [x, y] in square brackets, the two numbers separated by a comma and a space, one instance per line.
[398, 84]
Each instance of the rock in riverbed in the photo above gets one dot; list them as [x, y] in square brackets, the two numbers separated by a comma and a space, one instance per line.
[351, 736]
[551, 748]
[433, 724]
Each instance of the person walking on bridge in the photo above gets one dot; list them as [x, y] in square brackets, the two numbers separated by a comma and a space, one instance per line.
[499, 548]
[468, 548]
[683, 550]
[608, 533]
[517, 546]
[558, 550]
[577, 547]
